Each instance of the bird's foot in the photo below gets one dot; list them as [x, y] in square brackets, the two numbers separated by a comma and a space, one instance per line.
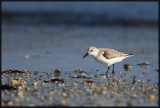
[107, 72]
[113, 72]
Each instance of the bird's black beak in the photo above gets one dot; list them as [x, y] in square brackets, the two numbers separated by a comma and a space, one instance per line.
[85, 55]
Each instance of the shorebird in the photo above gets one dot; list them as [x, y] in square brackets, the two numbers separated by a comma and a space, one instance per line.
[107, 56]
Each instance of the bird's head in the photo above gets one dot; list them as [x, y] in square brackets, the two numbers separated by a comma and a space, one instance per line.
[91, 51]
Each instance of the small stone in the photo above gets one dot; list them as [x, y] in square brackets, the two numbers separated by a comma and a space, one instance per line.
[134, 96]
[118, 102]
[98, 92]
[10, 103]
[14, 82]
[149, 80]
[130, 104]
[144, 63]
[127, 67]
[96, 76]
[126, 75]
[35, 83]
[12, 95]
[87, 90]
[64, 94]
[42, 98]
[103, 76]
[152, 97]
[122, 75]
[20, 93]
[57, 80]
[64, 101]
[26, 56]
[28, 88]
[36, 73]
[78, 70]
[19, 88]
[42, 84]
[104, 92]
[51, 92]
[147, 67]
[19, 78]
[23, 85]
[57, 73]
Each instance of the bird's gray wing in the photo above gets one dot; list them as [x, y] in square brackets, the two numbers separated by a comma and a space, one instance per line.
[110, 53]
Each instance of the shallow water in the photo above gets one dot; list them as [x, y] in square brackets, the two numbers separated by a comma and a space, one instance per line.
[108, 10]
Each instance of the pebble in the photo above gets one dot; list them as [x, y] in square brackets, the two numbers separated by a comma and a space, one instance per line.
[152, 97]
[26, 56]
[51, 92]
[103, 76]
[64, 94]
[35, 83]
[10, 103]
[57, 73]
[20, 93]
[42, 98]
[64, 101]
[113, 89]
[78, 70]
[14, 82]
[147, 67]
[28, 88]
[12, 95]
[36, 73]
[42, 84]
[19, 88]
[87, 90]
[127, 67]
[144, 63]
[118, 102]
[96, 76]
[134, 96]
[130, 104]
[149, 80]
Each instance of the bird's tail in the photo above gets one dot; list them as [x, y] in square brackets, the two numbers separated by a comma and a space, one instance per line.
[129, 54]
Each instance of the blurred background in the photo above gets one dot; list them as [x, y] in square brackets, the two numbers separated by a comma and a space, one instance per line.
[49, 35]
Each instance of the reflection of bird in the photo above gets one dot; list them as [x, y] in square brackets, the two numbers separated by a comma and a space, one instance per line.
[107, 56]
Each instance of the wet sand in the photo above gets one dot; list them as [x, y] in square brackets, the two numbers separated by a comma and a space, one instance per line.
[39, 50]
[43, 46]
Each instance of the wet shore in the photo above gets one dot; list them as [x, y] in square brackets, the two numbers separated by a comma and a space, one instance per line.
[38, 56]
[42, 62]
[26, 88]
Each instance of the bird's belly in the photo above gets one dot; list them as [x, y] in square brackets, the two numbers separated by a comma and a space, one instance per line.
[101, 59]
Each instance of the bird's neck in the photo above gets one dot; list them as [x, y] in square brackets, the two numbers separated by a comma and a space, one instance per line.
[95, 55]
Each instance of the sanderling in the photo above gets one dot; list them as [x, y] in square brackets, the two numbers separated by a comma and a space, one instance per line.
[107, 56]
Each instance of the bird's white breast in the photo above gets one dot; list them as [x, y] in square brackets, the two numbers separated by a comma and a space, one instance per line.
[101, 59]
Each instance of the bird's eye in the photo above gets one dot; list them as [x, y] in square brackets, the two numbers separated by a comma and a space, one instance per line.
[91, 50]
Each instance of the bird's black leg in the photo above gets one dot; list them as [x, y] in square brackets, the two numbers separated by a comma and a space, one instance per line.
[108, 70]
[113, 70]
